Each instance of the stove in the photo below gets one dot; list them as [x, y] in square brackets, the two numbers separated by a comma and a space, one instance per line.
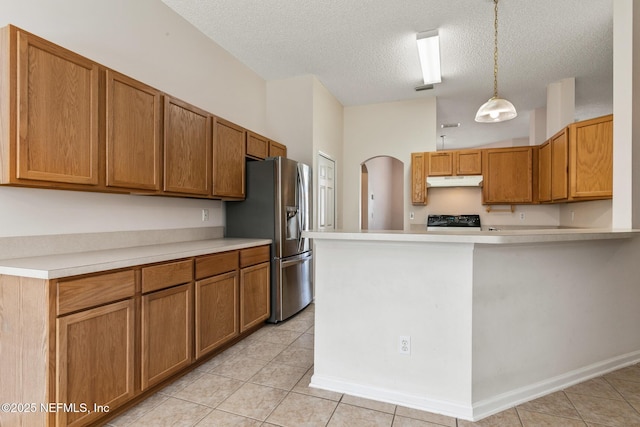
[453, 223]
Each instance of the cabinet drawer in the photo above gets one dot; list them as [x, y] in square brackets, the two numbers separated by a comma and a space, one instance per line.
[254, 256]
[165, 275]
[212, 265]
[92, 291]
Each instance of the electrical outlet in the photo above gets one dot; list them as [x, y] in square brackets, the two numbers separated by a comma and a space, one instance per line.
[522, 216]
[411, 215]
[205, 215]
[573, 216]
[404, 344]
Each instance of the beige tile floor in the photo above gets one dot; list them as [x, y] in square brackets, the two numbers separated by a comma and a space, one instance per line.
[263, 381]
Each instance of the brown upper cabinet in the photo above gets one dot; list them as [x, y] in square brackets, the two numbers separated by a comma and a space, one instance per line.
[228, 160]
[70, 123]
[49, 111]
[419, 178]
[468, 162]
[134, 143]
[591, 159]
[260, 147]
[257, 146]
[459, 162]
[544, 172]
[559, 166]
[508, 175]
[277, 149]
[576, 164]
[440, 163]
[553, 168]
[187, 149]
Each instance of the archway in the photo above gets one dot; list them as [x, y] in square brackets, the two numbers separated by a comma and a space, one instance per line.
[382, 194]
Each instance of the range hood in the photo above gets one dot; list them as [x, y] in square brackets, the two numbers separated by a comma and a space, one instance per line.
[454, 181]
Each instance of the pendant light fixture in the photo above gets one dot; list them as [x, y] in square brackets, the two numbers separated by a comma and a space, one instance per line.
[496, 109]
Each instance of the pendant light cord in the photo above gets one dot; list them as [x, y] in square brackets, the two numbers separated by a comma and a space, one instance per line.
[495, 51]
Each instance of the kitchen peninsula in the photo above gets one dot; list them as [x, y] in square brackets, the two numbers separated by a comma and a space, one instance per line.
[469, 324]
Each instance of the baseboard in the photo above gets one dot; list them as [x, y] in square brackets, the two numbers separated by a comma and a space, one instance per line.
[483, 408]
[493, 405]
[437, 406]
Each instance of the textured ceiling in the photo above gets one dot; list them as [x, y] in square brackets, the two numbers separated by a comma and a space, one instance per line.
[365, 52]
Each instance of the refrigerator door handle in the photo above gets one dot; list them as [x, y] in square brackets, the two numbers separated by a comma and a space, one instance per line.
[301, 204]
[297, 260]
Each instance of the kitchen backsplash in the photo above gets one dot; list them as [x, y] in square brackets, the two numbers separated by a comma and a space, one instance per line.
[23, 246]
[461, 200]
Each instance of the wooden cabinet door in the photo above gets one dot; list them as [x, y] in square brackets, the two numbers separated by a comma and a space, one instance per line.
[418, 178]
[544, 172]
[133, 133]
[277, 149]
[255, 300]
[216, 312]
[228, 160]
[257, 146]
[560, 166]
[95, 360]
[508, 175]
[468, 162]
[167, 326]
[187, 149]
[591, 158]
[441, 163]
[57, 113]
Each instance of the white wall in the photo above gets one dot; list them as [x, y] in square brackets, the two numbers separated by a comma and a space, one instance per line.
[461, 201]
[365, 302]
[328, 125]
[626, 110]
[393, 129]
[147, 41]
[32, 211]
[561, 101]
[538, 126]
[491, 325]
[305, 116]
[290, 115]
[549, 315]
[594, 214]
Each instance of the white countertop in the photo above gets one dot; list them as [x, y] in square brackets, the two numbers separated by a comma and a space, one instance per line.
[72, 264]
[485, 237]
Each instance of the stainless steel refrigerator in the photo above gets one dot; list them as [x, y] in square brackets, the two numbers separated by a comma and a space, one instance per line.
[278, 207]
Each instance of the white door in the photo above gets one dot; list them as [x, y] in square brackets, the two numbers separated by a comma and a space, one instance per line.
[326, 193]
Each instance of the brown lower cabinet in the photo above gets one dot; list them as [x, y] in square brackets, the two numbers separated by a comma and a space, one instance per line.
[255, 277]
[95, 359]
[217, 303]
[90, 344]
[166, 333]
[216, 312]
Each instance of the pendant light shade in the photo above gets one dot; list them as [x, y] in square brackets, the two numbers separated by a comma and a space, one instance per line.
[496, 109]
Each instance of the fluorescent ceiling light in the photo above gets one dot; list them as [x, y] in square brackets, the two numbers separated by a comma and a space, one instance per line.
[429, 52]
